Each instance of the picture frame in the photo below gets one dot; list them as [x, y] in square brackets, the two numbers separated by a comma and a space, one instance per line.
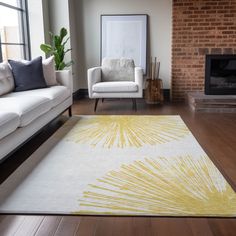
[125, 35]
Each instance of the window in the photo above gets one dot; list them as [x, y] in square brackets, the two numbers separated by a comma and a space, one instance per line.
[14, 30]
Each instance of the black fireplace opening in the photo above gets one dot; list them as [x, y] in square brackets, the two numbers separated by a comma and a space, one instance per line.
[220, 75]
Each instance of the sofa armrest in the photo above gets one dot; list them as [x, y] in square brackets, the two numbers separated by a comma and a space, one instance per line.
[94, 76]
[64, 77]
[138, 77]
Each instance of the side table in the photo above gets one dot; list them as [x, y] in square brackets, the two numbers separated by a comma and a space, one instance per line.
[153, 92]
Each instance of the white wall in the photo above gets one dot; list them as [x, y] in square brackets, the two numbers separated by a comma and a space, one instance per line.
[74, 40]
[88, 31]
[38, 25]
[58, 15]
[46, 21]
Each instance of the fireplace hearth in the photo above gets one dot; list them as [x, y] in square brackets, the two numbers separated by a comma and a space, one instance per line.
[200, 102]
[220, 75]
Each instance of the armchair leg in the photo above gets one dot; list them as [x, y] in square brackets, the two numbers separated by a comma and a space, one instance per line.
[134, 104]
[96, 103]
[70, 111]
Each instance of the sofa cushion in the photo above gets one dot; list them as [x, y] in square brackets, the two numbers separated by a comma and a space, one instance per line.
[28, 75]
[115, 87]
[49, 71]
[9, 121]
[56, 94]
[117, 69]
[28, 108]
[6, 79]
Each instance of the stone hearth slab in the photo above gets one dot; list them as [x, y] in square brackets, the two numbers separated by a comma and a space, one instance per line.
[199, 102]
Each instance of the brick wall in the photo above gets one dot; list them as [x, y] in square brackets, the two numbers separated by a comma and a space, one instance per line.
[199, 27]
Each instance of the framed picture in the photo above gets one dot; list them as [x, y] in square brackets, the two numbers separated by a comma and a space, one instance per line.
[125, 36]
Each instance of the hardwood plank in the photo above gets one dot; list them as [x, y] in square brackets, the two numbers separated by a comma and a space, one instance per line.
[10, 224]
[123, 226]
[105, 226]
[29, 226]
[170, 226]
[68, 226]
[88, 225]
[2, 217]
[142, 226]
[199, 226]
[222, 227]
[48, 226]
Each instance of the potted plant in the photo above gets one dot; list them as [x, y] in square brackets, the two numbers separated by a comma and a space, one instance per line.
[57, 48]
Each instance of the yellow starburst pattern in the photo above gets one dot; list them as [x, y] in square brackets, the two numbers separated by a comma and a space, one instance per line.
[127, 131]
[172, 186]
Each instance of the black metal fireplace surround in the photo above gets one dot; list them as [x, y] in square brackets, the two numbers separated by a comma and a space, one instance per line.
[220, 75]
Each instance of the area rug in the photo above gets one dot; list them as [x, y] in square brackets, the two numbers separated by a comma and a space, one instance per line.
[119, 165]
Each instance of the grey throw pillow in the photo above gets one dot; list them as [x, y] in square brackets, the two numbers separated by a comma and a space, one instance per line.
[28, 75]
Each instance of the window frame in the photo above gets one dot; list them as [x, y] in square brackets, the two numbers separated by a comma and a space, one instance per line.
[24, 28]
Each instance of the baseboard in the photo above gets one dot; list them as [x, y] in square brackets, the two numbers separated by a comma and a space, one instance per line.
[83, 93]
[80, 93]
[166, 93]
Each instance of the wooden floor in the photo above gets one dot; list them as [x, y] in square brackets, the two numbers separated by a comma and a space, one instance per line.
[215, 132]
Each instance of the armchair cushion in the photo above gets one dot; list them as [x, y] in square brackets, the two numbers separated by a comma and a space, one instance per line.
[117, 69]
[115, 87]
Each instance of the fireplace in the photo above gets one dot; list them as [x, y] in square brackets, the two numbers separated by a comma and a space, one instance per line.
[220, 75]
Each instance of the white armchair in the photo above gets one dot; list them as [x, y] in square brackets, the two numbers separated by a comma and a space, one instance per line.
[116, 78]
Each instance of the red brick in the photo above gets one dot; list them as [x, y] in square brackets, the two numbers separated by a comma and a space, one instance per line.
[216, 51]
[199, 28]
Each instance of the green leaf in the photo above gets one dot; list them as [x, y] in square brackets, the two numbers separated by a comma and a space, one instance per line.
[62, 65]
[57, 41]
[57, 60]
[63, 33]
[46, 48]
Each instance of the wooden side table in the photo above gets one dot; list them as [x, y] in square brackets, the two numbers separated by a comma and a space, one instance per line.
[153, 92]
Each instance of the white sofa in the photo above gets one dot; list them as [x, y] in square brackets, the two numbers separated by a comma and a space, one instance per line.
[22, 114]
